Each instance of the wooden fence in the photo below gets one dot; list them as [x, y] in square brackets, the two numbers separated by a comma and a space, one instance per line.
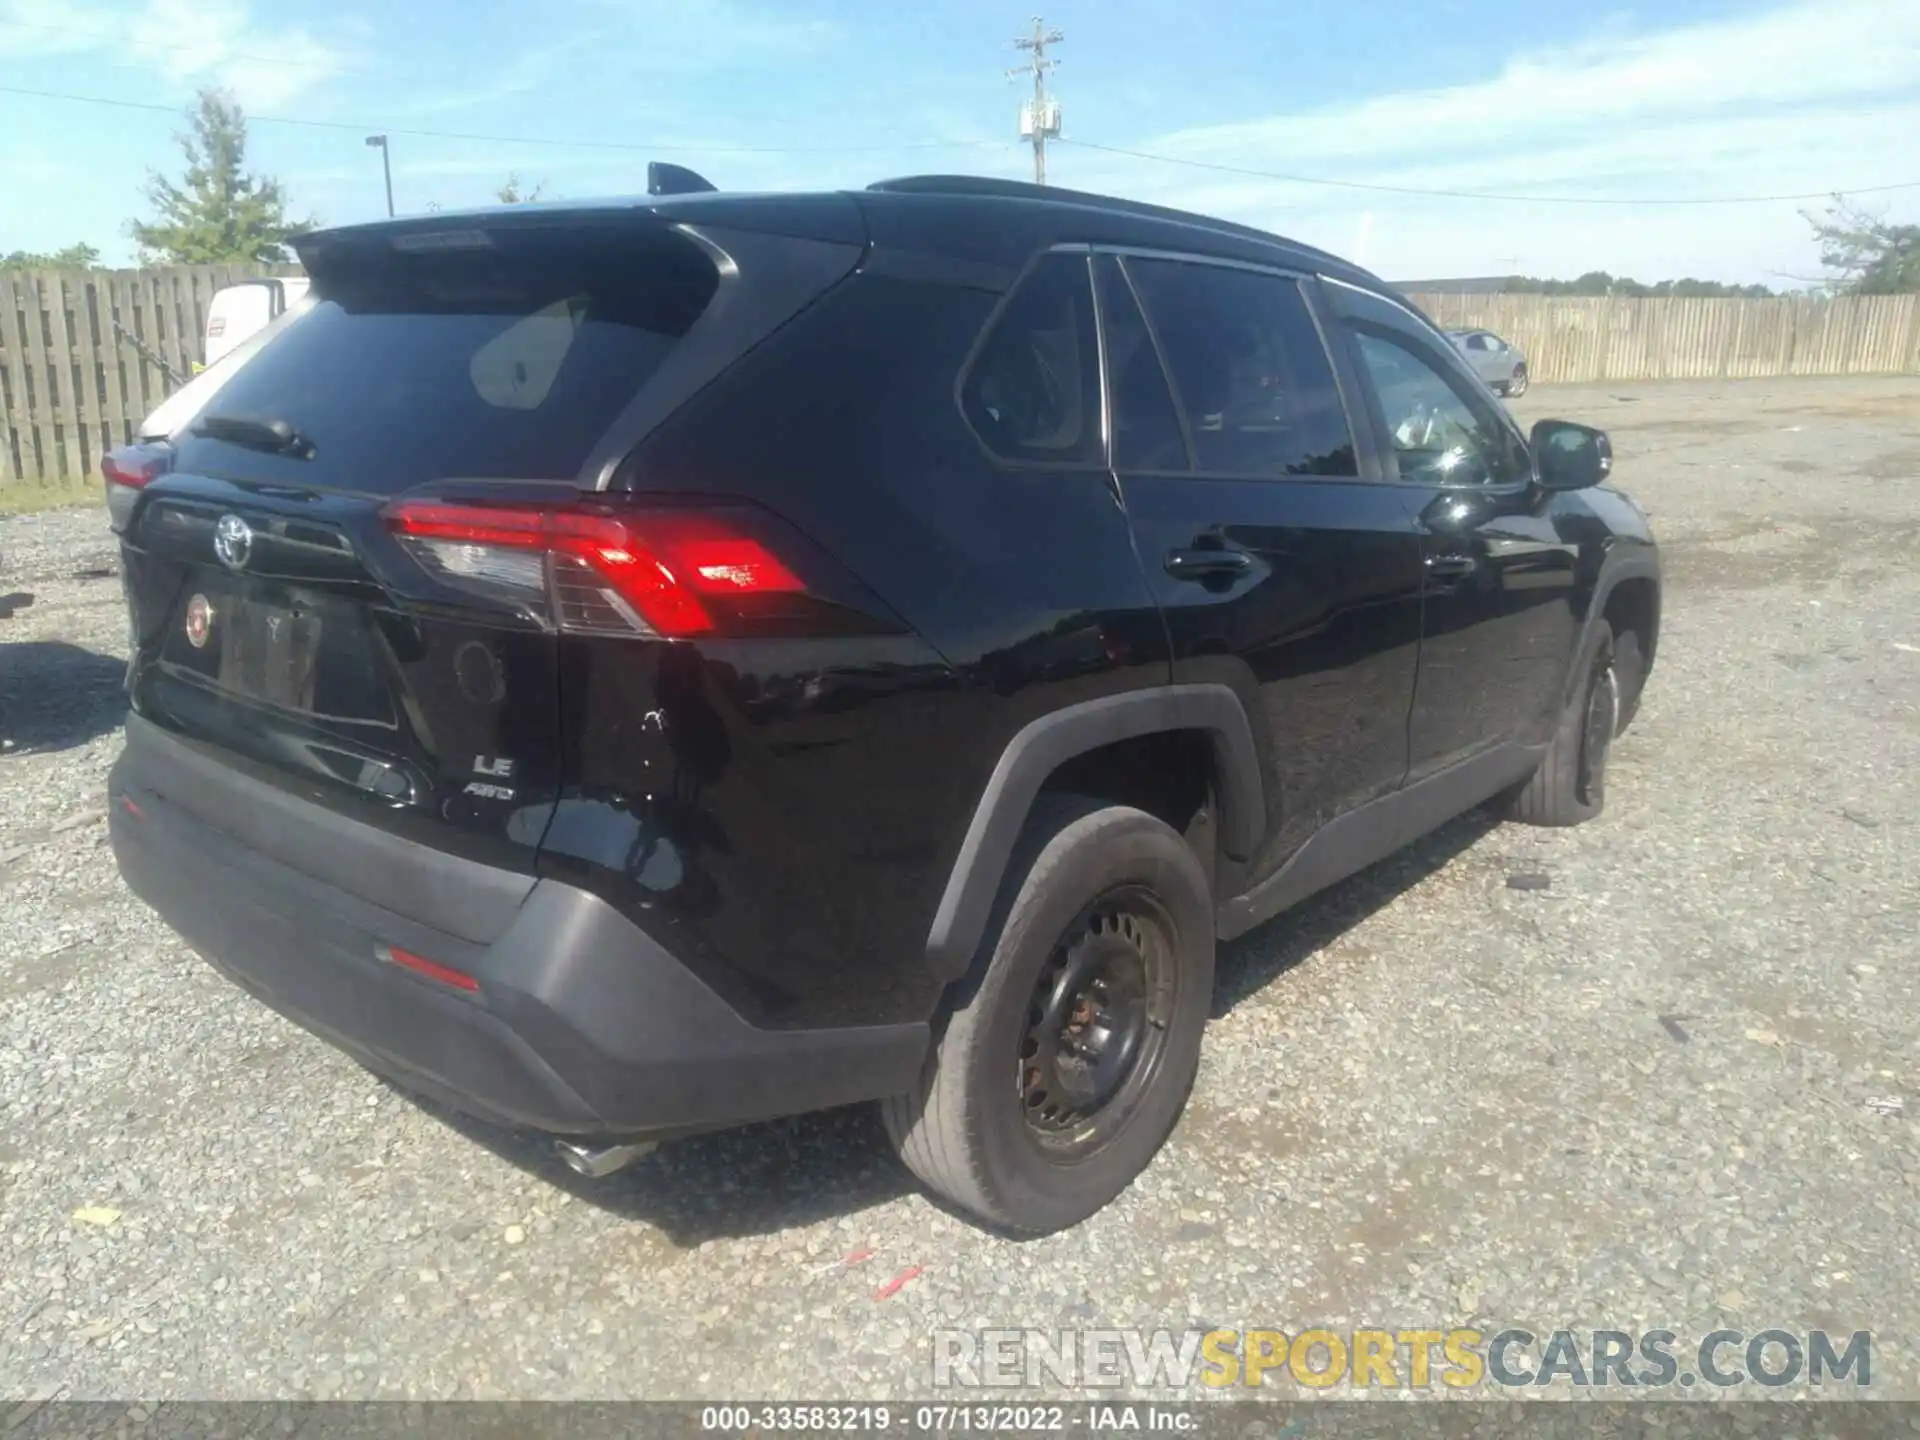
[78, 349]
[1570, 338]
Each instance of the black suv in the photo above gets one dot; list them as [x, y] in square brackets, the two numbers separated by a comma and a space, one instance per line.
[636, 668]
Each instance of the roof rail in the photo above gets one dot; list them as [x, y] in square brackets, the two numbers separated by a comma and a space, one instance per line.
[1025, 190]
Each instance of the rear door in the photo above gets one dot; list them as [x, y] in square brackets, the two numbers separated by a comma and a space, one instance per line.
[1282, 567]
[1501, 579]
[347, 583]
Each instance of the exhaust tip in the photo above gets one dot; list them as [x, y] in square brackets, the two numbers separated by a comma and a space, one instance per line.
[596, 1162]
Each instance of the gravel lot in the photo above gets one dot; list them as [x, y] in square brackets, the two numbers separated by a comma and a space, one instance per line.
[1636, 1098]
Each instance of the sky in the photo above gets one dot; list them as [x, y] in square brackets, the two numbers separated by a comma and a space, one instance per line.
[1524, 105]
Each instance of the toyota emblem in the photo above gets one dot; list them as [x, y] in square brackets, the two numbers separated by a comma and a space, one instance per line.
[233, 542]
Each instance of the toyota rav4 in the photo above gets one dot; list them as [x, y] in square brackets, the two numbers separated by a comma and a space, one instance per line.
[637, 668]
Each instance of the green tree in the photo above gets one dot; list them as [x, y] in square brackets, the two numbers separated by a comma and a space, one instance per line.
[218, 212]
[1599, 282]
[516, 192]
[71, 257]
[1868, 255]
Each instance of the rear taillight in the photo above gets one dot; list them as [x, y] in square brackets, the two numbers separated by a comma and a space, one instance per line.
[654, 574]
[129, 470]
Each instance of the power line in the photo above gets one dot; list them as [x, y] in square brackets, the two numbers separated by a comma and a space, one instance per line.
[1482, 194]
[363, 128]
[1042, 131]
[1040, 118]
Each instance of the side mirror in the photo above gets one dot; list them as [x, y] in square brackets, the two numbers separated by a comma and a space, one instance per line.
[1569, 456]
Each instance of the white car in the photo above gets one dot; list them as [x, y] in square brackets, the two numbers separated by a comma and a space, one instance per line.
[1501, 365]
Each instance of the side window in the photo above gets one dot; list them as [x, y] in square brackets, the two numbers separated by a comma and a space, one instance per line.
[1033, 391]
[1249, 370]
[1146, 427]
[1438, 438]
[1478, 342]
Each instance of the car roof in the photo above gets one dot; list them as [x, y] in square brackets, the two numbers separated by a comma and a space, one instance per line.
[995, 223]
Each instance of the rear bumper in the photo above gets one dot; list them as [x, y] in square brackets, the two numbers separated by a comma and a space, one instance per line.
[582, 1024]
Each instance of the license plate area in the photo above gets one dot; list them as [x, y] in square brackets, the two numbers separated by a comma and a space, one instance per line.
[287, 648]
[270, 653]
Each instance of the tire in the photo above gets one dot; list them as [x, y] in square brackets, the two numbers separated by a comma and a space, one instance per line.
[1517, 386]
[1089, 886]
[1571, 784]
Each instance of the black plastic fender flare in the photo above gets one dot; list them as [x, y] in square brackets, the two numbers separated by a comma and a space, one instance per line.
[1048, 742]
[1636, 564]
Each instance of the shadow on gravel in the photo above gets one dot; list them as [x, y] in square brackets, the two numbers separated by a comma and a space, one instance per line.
[54, 696]
[762, 1179]
[758, 1180]
[1248, 965]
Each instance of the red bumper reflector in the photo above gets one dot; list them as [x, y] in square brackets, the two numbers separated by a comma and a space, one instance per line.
[433, 970]
[127, 804]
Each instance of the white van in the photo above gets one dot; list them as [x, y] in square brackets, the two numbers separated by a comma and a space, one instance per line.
[239, 312]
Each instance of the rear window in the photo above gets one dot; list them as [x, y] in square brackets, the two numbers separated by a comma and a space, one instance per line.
[506, 362]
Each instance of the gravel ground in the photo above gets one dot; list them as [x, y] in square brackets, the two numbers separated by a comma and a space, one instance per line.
[1638, 1097]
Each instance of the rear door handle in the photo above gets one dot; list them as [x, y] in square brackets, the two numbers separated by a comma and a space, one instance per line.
[1205, 564]
[1451, 567]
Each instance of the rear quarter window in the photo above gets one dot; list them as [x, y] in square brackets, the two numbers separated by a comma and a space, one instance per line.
[1032, 392]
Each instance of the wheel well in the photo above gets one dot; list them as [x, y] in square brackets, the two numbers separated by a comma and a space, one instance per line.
[1169, 774]
[1635, 605]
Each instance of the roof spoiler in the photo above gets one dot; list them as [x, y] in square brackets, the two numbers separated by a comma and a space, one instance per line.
[665, 179]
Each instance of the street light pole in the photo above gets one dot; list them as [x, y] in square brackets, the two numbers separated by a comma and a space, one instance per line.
[379, 142]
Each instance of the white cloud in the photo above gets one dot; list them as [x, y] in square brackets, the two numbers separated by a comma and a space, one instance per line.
[1801, 98]
[526, 71]
[179, 44]
[694, 35]
[1828, 50]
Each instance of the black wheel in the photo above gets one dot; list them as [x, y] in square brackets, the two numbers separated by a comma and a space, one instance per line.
[1060, 1075]
[1517, 386]
[1571, 784]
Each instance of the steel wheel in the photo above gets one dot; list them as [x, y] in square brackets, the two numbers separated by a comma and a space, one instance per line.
[1096, 1025]
[1059, 1075]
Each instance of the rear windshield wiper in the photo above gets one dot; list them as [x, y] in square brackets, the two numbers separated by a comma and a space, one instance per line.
[256, 433]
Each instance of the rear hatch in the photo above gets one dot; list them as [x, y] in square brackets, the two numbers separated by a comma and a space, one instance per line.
[352, 573]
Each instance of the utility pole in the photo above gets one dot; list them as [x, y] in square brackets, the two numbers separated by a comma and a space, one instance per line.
[1039, 117]
[379, 142]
